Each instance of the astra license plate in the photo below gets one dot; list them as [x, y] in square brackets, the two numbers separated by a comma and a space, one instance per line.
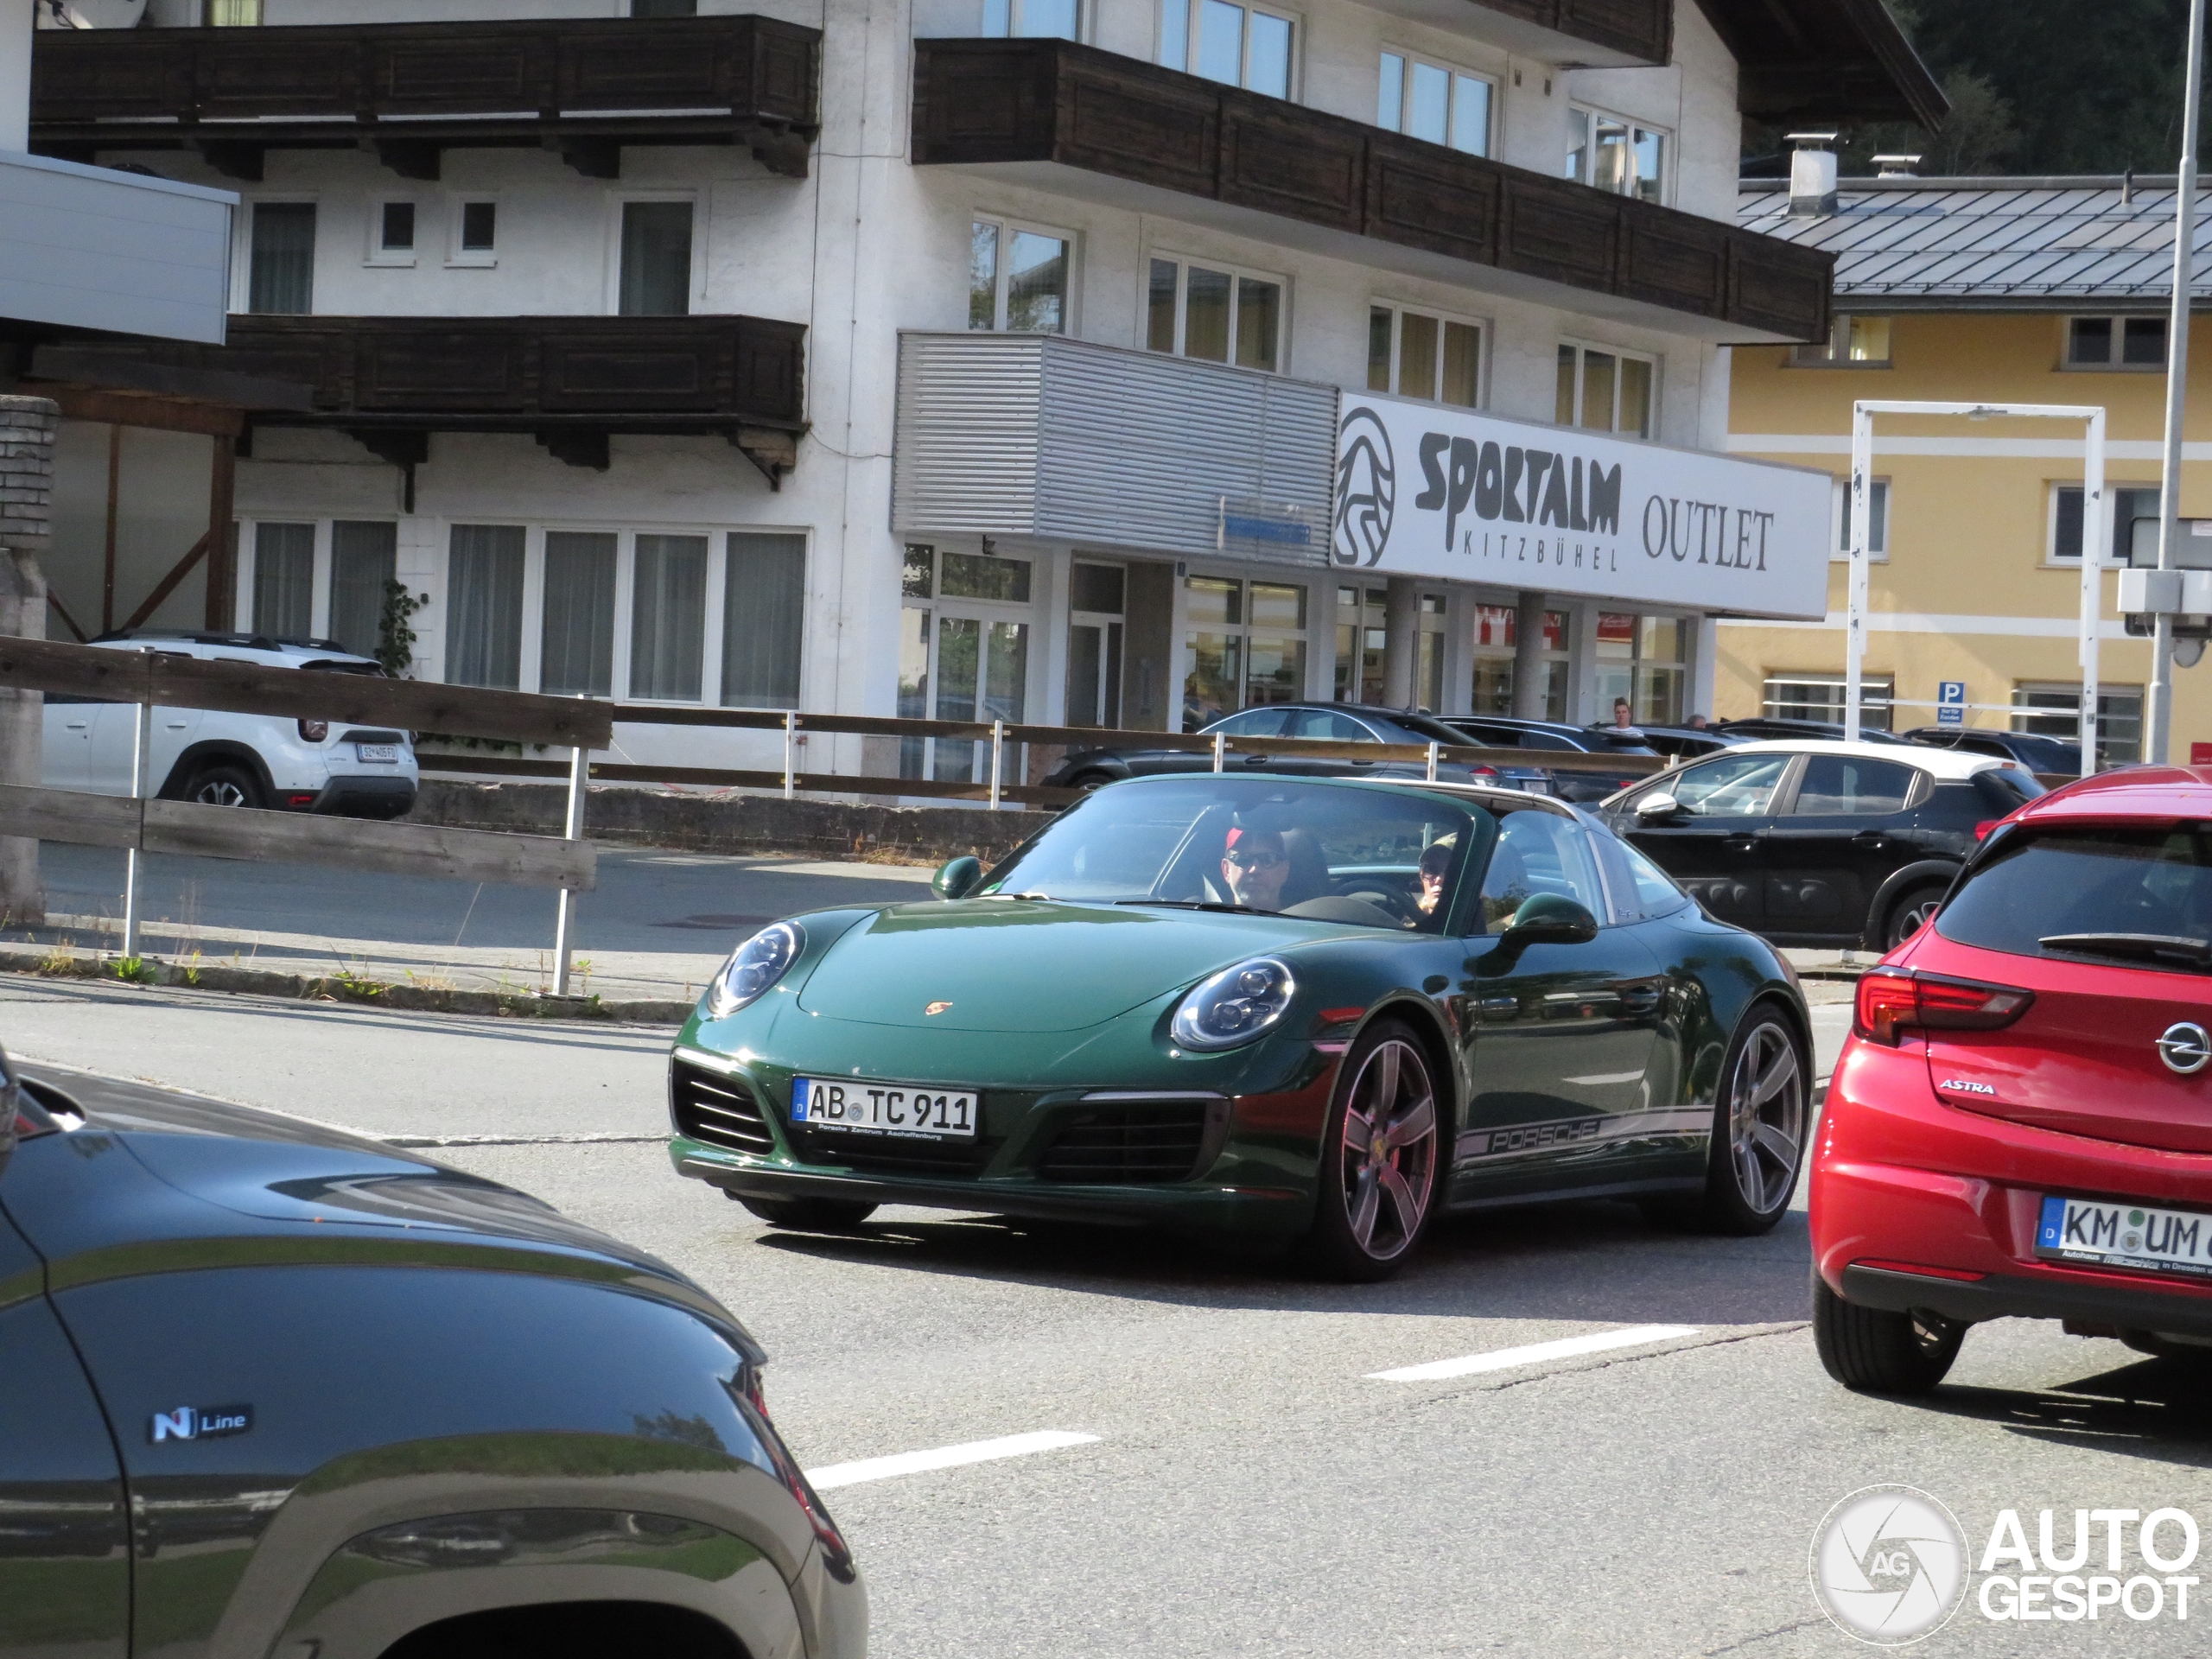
[2125, 1236]
[388, 753]
[884, 1108]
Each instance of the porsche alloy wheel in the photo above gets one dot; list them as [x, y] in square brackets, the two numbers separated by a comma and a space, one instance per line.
[1379, 1177]
[1762, 1116]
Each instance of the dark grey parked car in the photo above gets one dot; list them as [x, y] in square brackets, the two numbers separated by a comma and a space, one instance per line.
[1332, 723]
[279, 1389]
[1499, 731]
[2051, 755]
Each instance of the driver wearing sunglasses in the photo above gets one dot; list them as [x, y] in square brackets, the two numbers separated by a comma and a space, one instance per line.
[1255, 865]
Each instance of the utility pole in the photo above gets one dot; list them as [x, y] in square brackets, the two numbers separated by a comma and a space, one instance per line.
[2159, 739]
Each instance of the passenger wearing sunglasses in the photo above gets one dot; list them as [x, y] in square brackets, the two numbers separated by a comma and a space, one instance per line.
[1255, 864]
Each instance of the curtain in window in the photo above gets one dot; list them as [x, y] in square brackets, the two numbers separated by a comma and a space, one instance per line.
[281, 281]
[484, 607]
[656, 258]
[764, 611]
[364, 558]
[667, 618]
[283, 580]
[577, 654]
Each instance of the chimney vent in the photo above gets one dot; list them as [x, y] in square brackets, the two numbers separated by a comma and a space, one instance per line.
[1896, 167]
[1812, 174]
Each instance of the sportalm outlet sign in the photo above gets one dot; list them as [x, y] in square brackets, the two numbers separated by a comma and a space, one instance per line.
[1429, 492]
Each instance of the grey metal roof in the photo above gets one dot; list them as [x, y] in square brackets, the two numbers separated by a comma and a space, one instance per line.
[1994, 243]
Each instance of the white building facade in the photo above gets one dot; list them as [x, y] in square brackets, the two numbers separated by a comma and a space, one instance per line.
[1005, 372]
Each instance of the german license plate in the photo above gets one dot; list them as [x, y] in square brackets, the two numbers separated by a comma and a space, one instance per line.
[2125, 1236]
[900, 1109]
[387, 752]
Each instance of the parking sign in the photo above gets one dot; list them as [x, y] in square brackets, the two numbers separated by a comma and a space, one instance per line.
[1951, 702]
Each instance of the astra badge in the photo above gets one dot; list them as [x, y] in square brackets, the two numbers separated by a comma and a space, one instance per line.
[935, 1008]
[1969, 1085]
[2186, 1048]
[199, 1423]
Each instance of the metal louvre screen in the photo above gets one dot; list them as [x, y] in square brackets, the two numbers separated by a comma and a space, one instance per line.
[966, 450]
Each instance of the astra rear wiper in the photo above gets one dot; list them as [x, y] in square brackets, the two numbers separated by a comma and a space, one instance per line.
[1196, 904]
[2146, 947]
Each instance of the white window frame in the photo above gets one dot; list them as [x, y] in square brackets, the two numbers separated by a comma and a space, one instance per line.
[1882, 499]
[460, 258]
[1582, 348]
[1397, 308]
[1309, 636]
[374, 252]
[1085, 19]
[1877, 696]
[1834, 352]
[2111, 364]
[2115, 552]
[1194, 9]
[1668, 140]
[1409, 57]
[1008, 225]
[1035, 613]
[616, 199]
[1235, 272]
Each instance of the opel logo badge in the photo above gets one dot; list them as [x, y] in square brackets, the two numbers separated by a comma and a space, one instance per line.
[2186, 1048]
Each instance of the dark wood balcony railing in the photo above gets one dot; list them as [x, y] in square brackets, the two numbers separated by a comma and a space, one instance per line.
[1032, 101]
[571, 382]
[1642, 28]
[410, 91]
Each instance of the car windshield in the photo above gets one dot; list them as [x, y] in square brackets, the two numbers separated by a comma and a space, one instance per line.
[1371, 857]
[2124, 896]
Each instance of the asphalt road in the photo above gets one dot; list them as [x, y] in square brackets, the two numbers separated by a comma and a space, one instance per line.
[1224, 1474]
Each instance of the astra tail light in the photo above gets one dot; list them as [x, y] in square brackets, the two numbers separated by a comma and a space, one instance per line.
[1893, 1001]
[1484, 774]
[1981, 830]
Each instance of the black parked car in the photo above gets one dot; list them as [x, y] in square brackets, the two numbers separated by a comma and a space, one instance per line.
[1837, 844]
[276, 1389]
[1333, 722]
[1685, 743]
[2050, 755]
[1498, 731]
[1760, 729]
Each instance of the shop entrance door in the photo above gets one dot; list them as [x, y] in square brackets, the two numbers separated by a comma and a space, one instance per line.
[1095, 619]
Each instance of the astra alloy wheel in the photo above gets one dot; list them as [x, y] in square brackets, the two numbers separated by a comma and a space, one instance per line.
[1378, 1165]
[1758, 1126]
[1911, 913]
[225, 784]
[1873, 1351]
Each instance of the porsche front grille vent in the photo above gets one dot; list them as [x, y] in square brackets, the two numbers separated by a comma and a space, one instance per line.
[893, 1155]
[718, 1110]
[1121, 1145]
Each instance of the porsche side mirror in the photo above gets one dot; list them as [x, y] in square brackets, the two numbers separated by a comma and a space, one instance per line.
[959, 878]
[1652, 809]
[1549, 918]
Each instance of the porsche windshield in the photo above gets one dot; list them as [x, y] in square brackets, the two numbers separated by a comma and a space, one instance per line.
[1366, 856]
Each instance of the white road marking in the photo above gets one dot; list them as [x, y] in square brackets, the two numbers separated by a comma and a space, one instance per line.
[946, 1456]
[1504, 1359]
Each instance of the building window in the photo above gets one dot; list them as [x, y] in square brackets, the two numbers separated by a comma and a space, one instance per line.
[1236, 45]
[576, 638]
[233, 14]
[1427, 100]
[280, 281]
[667, 618]
[764, 615]
[656, 259]
[1820, 696]
[1247, 646]
[484, 576]
[1606, 390]
[479, 226]
[1033, 19]
[1098, 601]
[1220, 315]
[2127, 504]
[1494, 635]
[1415, 354]
[1362, 616]
[663, 8]
[1642, 659]
[1429, 660]
[1878, 518]
[1611, 153]
[396, 227]
[283, 580]
[2054, 710]
[363, 563]
[2115, 343]
[1017, 278]
[1854, 342]
[963, 654]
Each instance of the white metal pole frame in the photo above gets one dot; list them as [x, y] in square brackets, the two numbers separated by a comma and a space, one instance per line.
[2157, 735]
[790, 753]
[2093, 538]
[998, 759]
[564, 921]
[142, 729]
[1220, 744]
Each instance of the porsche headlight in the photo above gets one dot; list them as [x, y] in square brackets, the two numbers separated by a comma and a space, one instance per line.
[753, 966]
[1235, 1006]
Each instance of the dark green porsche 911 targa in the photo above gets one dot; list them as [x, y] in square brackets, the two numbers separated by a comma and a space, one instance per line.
[1306, 1009]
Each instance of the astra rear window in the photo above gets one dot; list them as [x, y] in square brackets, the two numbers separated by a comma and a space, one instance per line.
[2124, 896]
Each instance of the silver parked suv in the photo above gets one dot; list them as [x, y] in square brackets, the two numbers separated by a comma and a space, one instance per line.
[227, 760]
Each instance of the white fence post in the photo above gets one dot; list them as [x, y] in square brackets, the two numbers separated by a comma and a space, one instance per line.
[791, 751]
[998, 759]
[1432, 761]
[1220, 744]
[142, 729]
[564, 918]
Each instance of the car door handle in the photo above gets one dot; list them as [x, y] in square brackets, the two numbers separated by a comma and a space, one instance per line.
[1257, 760]
[78, 725]
[1640, 999]
[1741, 843]
[1870, 838]
[1495, 1007]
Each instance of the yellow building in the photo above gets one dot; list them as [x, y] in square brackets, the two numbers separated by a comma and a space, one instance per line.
[2026, 291]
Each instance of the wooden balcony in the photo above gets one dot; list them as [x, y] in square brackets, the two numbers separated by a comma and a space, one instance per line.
[1640, 31]
[1081, 121]
[410, 91]
[570, 381]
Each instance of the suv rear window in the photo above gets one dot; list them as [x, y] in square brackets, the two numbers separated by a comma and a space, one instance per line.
[2119, 895]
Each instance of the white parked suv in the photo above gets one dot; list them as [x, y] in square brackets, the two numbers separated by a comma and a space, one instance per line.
[226, 760]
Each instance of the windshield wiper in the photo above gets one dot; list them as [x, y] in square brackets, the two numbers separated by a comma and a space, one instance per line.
[1196, 904]
[2147, 947]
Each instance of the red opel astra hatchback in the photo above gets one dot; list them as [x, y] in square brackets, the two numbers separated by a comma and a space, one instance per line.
[2021, 1120]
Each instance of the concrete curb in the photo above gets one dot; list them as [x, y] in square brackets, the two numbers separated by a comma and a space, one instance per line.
[340, 987]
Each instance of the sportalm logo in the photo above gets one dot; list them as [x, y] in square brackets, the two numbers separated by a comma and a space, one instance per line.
[199, 1423]
[1367, 488]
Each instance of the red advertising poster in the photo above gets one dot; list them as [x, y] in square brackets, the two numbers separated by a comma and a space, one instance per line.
[2200, 754]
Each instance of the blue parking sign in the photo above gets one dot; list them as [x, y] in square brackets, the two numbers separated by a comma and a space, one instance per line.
[1951, 702]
